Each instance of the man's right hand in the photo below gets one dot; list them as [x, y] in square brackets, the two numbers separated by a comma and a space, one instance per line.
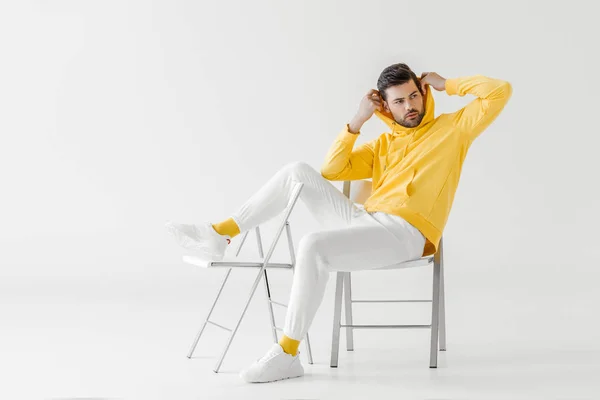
[370, 102]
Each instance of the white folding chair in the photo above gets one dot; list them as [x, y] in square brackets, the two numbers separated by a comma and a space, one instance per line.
[262, 264]
[361, 190]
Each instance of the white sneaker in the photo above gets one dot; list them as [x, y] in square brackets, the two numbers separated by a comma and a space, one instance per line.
[201, 238]
[274, 366]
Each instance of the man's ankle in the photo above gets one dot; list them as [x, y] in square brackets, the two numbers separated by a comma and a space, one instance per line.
[289, 345]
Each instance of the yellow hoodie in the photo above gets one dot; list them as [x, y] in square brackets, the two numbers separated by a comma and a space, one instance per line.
[415, 171]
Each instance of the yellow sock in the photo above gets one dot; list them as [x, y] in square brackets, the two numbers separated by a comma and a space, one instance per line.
[290, 346]
[227, 227]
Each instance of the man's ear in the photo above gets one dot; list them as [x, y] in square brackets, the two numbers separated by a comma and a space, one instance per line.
[386, 110]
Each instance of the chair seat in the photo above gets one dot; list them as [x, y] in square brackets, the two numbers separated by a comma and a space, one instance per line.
[419, 262]
[233, 262]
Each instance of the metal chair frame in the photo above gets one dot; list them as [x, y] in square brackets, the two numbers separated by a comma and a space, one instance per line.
[343, 293]
[263, 264]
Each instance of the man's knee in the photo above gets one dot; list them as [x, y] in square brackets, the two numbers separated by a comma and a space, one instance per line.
[299, 168]
[312, 245]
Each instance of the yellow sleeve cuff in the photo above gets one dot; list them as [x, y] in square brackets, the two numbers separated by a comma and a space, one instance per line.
[346, 135]
[452, 86]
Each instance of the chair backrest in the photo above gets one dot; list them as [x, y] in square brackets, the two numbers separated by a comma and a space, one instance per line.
[359, 191]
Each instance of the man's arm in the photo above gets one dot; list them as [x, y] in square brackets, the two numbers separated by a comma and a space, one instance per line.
[492, 96]
[343, 163]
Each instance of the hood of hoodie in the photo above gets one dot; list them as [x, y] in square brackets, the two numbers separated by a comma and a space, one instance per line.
[399, 130]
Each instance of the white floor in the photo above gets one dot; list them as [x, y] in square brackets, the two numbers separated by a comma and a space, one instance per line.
[128, 339]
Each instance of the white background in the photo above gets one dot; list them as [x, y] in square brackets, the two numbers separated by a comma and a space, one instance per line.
[116, 116]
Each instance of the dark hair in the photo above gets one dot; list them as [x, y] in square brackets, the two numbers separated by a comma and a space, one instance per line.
[396, 74]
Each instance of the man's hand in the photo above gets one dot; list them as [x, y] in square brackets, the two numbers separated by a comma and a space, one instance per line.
[433, 79]
[370, 102]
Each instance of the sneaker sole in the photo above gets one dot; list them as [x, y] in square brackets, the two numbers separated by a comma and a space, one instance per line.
[279, 379]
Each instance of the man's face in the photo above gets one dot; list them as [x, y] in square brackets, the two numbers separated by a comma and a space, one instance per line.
[406, 104]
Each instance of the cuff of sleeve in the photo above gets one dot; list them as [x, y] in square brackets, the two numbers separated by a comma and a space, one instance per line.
[346, 135]
[452, 86]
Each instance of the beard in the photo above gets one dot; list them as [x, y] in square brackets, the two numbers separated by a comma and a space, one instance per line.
[411, 123]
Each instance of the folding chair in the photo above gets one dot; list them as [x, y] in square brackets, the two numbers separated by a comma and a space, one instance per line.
[361, 191]
[263, 264]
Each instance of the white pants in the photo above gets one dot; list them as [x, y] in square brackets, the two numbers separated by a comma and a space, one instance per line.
[352, 239]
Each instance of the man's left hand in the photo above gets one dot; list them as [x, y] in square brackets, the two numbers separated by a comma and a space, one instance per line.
[434, 80]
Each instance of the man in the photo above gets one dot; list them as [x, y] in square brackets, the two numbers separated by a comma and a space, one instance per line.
[415, 169]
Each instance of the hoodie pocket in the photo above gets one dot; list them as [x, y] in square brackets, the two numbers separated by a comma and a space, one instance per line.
[409, 188]
[439, 194]
[406, 190]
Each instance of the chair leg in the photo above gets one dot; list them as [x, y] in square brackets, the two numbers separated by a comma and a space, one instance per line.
[442, 307]
[308, 349]
[237, 325]
[435, 308]
[267, 288]
[199, 334]
[270, 307]
[337, 318]
[348, 310]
